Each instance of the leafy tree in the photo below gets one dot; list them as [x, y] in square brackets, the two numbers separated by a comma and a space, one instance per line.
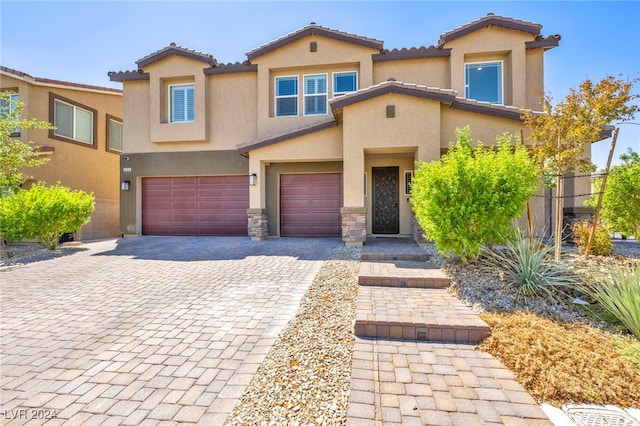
[621, 201]
[45, 213]
[470, 197]
[15, 154]
[560, 136]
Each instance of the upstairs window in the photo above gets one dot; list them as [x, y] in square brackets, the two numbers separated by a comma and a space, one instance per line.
[483, 81]
[8, 107]
[286, 96]
[315, 94]
[114, 134]
[73, 121]
[344, 82]
[182, 103]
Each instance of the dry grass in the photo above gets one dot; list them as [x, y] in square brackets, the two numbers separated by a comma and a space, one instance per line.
[561, 363]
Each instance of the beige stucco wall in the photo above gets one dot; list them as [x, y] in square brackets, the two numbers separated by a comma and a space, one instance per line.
[432, 72]
[414, 129]
[499, 44]
[176, 70]
[296, 59]
[74, 165]
[322, 146]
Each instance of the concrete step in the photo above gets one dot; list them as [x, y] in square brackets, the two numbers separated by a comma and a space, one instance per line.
[385, 257]
[416, 314]
[402, 273]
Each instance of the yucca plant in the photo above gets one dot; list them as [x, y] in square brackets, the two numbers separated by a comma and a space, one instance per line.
[526, 265]
[619, 295]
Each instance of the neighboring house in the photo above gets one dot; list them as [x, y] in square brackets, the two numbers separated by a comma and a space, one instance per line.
[316, 133]
[84, 149]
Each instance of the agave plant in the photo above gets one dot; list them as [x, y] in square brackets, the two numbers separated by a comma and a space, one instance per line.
[619, 295]
[526, 265]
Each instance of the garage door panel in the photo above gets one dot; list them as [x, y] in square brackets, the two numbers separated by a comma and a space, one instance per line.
[310, 204]
[204, 205]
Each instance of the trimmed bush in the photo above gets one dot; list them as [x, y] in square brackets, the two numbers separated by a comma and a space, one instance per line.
[470, 197]
[45, 213]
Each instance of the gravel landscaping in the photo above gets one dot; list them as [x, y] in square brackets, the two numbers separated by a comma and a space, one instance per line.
[306, 375]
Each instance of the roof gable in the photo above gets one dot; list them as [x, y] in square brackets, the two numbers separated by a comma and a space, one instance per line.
[487, 21]
[313, 29]
[174, 49]
[442, 95]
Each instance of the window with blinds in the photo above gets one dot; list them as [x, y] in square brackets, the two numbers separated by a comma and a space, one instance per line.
[182, 103]
[73, 122]
[315, 94]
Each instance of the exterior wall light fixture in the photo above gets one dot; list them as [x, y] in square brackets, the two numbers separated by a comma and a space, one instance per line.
[253, 178]
[124, 185]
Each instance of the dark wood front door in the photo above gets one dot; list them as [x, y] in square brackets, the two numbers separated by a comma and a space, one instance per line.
[386, 219]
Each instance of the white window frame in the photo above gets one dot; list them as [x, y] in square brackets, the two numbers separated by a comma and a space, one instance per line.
[186, 108]
[488, 62]
[276, 96]
[408, 181]
[325, 94]
[113, 119]
[13, 97]
[74, 122]
[335, 74]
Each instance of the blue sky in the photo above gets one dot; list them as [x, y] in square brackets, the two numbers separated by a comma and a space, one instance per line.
[82, 41]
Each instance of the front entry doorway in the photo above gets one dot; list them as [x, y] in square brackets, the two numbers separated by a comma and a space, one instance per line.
[386, 216]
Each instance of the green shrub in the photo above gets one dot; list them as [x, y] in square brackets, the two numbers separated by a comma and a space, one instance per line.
[601, 244]
[619, 294]
[44, 213]
[526, 265]
[469, 197]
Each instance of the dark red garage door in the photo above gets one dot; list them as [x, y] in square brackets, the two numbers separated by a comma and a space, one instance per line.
[201, 205]
[310, 205]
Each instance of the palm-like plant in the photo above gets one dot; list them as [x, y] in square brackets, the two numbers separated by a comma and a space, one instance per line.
[526, 265]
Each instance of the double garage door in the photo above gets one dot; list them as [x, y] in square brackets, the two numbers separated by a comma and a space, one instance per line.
[198, 205]
[217, 205]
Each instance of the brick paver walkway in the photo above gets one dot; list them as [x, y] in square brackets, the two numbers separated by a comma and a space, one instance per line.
[145, 330]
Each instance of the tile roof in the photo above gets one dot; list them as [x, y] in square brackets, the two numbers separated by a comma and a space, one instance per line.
[490, 20]
[443, 95]
[243, 148]
[411, 53]
[49, 81]
[548, 42]
[313, 28]
[230, 68]
[174, 49]
[128, 75]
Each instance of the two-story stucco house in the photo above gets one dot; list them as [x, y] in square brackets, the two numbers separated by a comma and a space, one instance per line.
[316, 133]
[84, 148]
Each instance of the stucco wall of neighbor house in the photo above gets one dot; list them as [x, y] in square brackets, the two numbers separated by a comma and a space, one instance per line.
[535, 80]
[157, 164]
[322, 146]
[413, 71]
[296, 59]
[91, 169]
[489, 44]
[272, 185]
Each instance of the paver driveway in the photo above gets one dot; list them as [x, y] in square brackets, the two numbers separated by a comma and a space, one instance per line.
[148, 329]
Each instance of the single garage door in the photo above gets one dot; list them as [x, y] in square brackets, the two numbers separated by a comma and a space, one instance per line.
[199, 205]
[310, 205]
